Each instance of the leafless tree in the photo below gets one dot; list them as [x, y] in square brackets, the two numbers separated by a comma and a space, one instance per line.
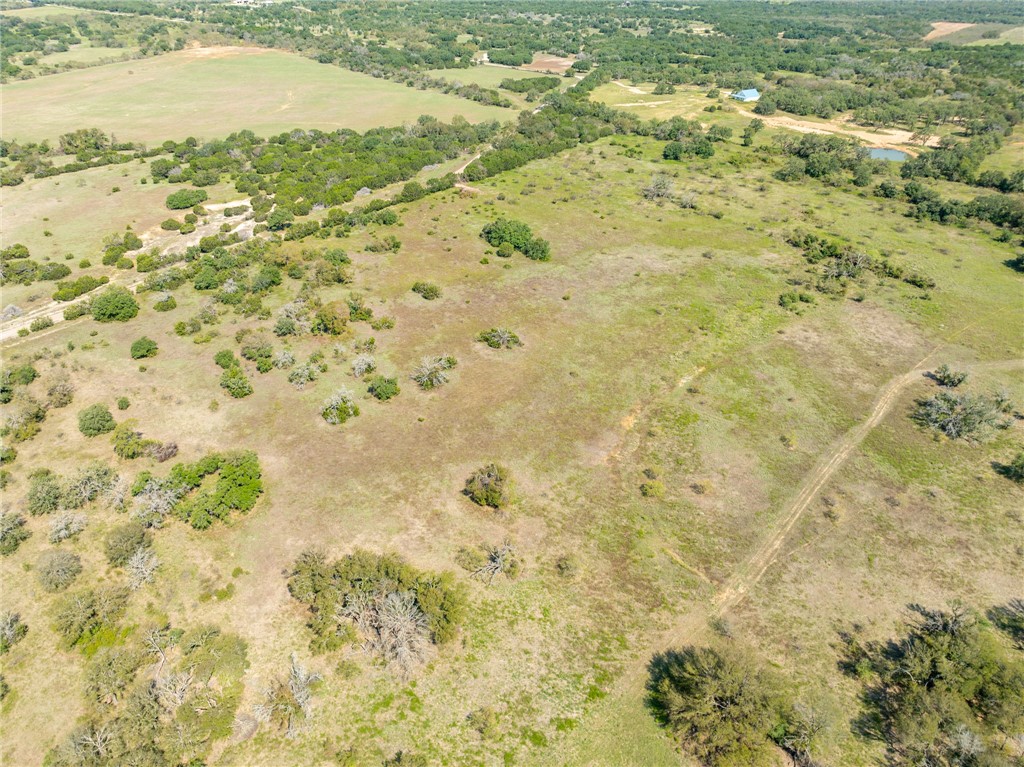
[172, 689]
[287, 703]
[659, 187]
[501, 560]
[95, 740]
[284, 359]
[155, 502]
[392, 625]
[431, 372]
[339, 407]
[12, 629]
[117, 493]
[141, 568]
[66, 524]
[363, 364]
[60, 391]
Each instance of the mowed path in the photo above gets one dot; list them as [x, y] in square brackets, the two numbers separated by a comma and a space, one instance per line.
[692, 625]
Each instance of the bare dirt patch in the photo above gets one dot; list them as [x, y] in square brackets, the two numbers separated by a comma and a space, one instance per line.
[943, 28]
[545, 62]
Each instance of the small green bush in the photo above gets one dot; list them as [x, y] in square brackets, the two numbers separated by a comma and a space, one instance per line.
[384, 388]
[234, 381]
[428, 290]
[143, 347]
[41, 323]
[490, 485]
[123, 403]
[96, 420]
[226, 359]
[499, 338]
[165, 304]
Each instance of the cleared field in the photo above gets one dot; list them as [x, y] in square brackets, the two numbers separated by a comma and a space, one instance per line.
[486, 76]
[653, 340]
[1013, 35]
[210, 92]
[43, 12]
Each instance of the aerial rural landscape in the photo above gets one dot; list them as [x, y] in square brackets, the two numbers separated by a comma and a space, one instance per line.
[465, 382]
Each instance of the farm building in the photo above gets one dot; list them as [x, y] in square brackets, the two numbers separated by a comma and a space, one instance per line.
[750, 94]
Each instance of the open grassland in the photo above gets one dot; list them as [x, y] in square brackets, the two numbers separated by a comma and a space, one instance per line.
[42, 12]
[486, 76]
[652, 340]
[85, 54]
[210, 92]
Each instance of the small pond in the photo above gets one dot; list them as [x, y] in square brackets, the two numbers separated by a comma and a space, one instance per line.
[878, 153]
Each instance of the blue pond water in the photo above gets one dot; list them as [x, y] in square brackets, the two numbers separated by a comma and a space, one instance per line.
[877, 153]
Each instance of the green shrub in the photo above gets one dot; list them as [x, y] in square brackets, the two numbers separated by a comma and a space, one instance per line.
[234, 381]
[944, 375]
[22, 375]
[115, 304]
[12, 532]
[499, 338]
[186, 198]
[339, 407]
[505, 250]
[41, 323]
[490, 485]
[377, 588]
[143, 347]
[226, 359]
[7, 455]
[80, 309]
[384, 388]
[129, 443]
[123, 403]
[515, 233]
[652, 489]
[428, 290]
[165, 304]
[44, 493]
[68, 291]
[170, 225]
[95, 420]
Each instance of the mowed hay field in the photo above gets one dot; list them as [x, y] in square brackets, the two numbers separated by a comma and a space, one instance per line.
[653, 340]
[210, 92]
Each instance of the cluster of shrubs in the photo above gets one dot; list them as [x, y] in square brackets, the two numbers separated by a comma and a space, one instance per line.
[132, 719]
[237, 487]
[509, 235]
[396, 610]
[427, 290]
[19, 269]
[948, 691]
[841, 263]
[70, 290]
[186, 198]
